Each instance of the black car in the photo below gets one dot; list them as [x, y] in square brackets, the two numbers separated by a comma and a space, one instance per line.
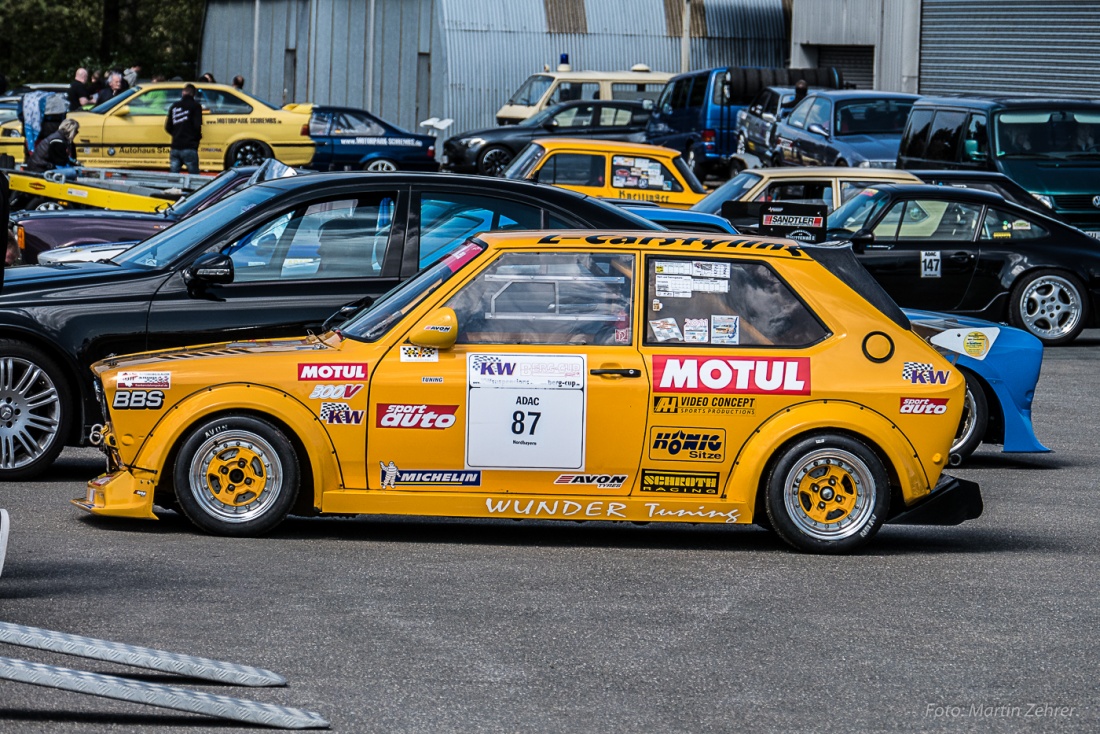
[276, 259]
[971, 252]
[489, 151]
[998, 183]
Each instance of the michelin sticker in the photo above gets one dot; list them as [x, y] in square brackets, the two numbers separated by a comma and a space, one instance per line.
[526, 411]
[974, 343]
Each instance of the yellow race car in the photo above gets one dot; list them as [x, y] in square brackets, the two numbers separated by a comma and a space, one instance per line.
[566, 375]
[127, 131]
[610, 169]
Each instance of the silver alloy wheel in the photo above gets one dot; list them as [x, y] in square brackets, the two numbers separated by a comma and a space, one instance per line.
[1050, 306]
[495, 161]
[968, 424]
[30, 412]
[742, 146]
[381, 165]
[49, 206]
[235, 476]
[249, 153]
[830, 494]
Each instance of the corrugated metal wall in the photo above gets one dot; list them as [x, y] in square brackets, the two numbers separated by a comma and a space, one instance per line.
[1036, 47]
[478, 51]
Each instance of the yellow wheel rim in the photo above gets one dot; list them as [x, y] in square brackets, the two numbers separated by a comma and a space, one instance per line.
[236, 476]
[830, 493]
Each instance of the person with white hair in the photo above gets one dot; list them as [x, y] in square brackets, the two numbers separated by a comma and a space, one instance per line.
[56, 150]
[113, 88]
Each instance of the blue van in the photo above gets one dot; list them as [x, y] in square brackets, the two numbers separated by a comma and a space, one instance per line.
[697, 112]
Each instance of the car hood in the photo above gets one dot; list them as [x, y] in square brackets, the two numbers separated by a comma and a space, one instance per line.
[873, 147]
[57, 279]
[510, 132]
[160, 359]
[1054, 177]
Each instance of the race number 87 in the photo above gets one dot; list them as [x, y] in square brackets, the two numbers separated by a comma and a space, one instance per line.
[519, 421]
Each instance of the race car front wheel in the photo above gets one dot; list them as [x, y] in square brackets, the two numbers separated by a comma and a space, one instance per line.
[827, 493]
[236, 475]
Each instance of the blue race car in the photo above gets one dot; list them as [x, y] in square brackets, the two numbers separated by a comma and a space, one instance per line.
[351, 139]
[679, 220]
[1001, 365]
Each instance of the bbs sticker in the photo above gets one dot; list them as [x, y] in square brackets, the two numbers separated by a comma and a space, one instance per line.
[138, 400]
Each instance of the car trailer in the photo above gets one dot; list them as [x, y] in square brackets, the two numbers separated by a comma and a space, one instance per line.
[103, 188]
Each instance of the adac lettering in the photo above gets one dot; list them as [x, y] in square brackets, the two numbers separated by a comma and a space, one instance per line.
[751, 376]
[333, 371]
[924, 406]
[603, 481]
[694, 443]
[402, 415]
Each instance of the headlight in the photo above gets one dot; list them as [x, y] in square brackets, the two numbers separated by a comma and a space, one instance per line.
[877, 164]
[474, 142]
[1046, 200]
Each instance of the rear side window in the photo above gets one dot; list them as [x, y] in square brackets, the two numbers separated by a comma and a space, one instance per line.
[576, 169]
[820, 114]
[919, 123]
[1000, 224]
[615, 116]
[698, 92]
[798, 117]
[679, 97]
[636, 91]
[447, 220]
[976, 139]
[635, 172]
[943, 139]
[570, 91]
[698, 301]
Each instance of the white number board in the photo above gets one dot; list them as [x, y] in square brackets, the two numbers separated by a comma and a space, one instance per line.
[525, 411]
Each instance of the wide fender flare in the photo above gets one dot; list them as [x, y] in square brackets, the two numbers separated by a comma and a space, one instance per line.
[281, 407]
[828, 415]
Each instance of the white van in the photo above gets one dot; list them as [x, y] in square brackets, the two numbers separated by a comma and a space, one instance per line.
[564, 85]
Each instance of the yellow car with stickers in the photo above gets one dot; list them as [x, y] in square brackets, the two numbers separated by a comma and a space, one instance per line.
[127, 131]
[562, 376]
[611, 170]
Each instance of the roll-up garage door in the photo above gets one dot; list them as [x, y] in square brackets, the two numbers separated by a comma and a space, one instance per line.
[1017, 47]
[857, 63]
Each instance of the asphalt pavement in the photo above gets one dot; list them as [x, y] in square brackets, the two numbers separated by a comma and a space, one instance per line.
[419, 625]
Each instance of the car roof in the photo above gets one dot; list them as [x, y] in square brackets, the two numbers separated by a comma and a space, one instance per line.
[606, 146]
[581, 102]
[844, 94]
[663, 242]
[815, 172]
[979, 101]
[976, 196]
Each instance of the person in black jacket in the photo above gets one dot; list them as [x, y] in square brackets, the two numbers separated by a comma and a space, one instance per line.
[184, 124]
[56, 149]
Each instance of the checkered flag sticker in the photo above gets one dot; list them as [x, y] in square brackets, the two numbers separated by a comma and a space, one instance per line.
[912, 368]
[327, 409]
[482, 359]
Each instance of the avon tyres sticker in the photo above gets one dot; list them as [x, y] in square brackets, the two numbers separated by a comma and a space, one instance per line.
[525, 411]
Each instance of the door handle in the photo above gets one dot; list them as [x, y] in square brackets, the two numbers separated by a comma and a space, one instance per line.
[961, 257]
[878, 247]
[615, 372]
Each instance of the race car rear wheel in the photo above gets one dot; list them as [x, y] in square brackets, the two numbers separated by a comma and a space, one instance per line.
[380, 165]
[493, 160]
[35, 411]
[1050, 304]
[247, 153]
[827, 493]
[974, 421]
[236, 475]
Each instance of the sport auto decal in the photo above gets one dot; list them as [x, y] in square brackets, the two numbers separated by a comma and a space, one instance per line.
[334, 392]
[333, 371]
[393, 477]
[704, 404]
[755, 376]
[924, 406]
[402, 415]
[695, 444]
[679, 482]
[144, 380]
[921, 373]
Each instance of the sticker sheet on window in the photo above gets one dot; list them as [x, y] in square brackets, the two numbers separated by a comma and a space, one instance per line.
[666, 330]
[696, 331]
[725, 330]
[675, 286]
[526, 411]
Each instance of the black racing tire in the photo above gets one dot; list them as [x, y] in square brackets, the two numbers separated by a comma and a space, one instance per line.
[236, 475]
[36, 410]
[827, 493]
[736, 166]
[841, 163]
[974, 422]
[247, 153]
[380, 165]
[1050, 304]
[493, 159]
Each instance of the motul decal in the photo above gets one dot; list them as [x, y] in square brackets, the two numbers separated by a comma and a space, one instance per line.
[924, 406]
[750, 376]
[402, 415]
[333, 371]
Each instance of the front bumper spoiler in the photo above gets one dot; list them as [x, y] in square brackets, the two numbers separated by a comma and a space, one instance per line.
[119, 494]
[952, 502]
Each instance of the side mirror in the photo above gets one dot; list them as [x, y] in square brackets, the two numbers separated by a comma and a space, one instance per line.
[861, 239]
[438, 330]
[123, 110]
[972, 152]
[550, 124]
[767, 116]
[211, 267]
[818, 130]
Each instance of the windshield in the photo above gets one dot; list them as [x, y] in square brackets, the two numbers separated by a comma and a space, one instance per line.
[113, 102]
[532, 90]
[872, 116]
[163, 248]
[522, 165]
[539, 117]
[854, 214]
[376, 321]
[1048, 133]
[194, 201]
[731, 190]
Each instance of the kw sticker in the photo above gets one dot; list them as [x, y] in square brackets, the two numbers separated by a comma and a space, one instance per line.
[921, 373]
